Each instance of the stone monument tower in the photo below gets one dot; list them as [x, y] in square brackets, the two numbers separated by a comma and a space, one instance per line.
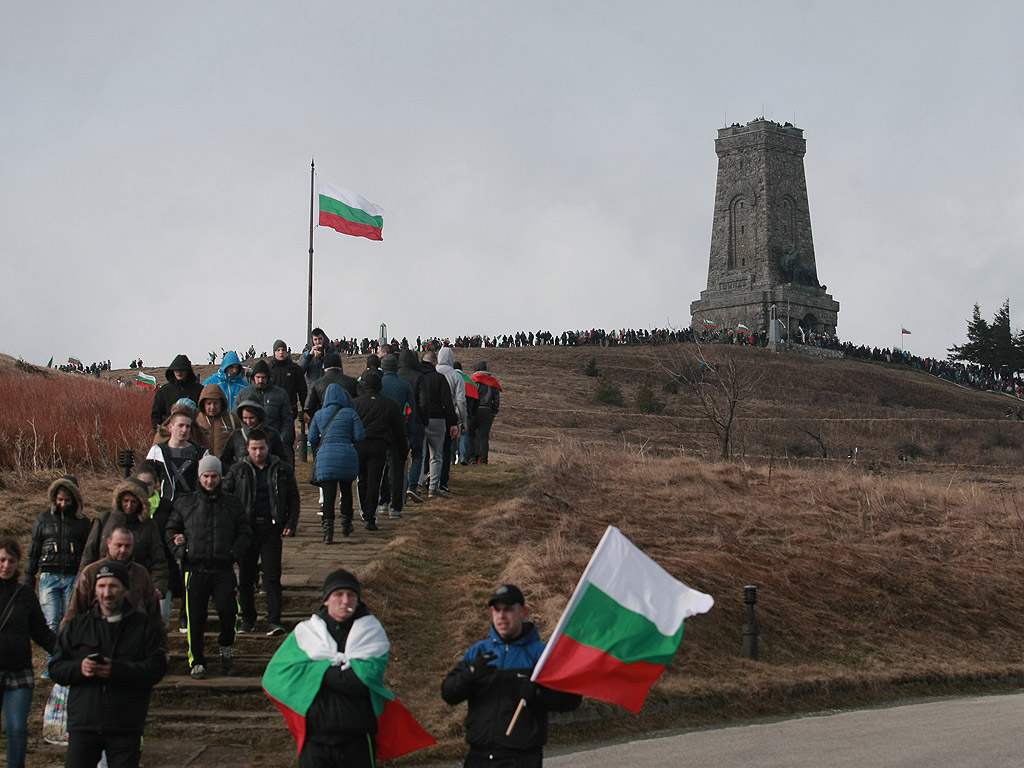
[762, 253]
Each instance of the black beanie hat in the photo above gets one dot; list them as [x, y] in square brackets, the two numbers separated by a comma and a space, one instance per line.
[341, 579]
[371, 381]
[332, 360]
[261, 367]
[115, 569]
[389, 363]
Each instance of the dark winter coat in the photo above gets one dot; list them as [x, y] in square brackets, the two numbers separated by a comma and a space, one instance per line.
[120, 703]
[439, 396]
[287, 375]
[399, 391]
[342, 708]
[216, 528]
[316, 399]
[409, 370]
[279, 413]
[26, 623]
[148, 549]
[284, 492]
[336, 458]
[236, 447]
[174, 390]
[58, 539]
[494, 696]
[382, 421]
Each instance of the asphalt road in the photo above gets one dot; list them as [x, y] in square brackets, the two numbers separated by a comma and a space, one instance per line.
[982, 732]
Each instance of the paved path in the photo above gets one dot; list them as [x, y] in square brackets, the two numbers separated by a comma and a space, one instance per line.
[982, 732]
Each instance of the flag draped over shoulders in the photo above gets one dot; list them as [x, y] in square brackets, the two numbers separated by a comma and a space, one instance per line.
[294, 674]
[621, 627]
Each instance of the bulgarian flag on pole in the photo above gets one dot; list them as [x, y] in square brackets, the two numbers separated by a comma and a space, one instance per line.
[349, 213]
[74, 361]
[146, 381]
[294, 674]
[621, 627]
[905, 332]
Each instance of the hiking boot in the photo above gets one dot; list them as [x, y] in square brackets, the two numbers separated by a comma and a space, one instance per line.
[328, 525]
[227, 658]
[198, 672]
[414, 496]
[371, 526]
[246, 628]
[395, 514]
[383, 510]
[346, 526]
[275, 630]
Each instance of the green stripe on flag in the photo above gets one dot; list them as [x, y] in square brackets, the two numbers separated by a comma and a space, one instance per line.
[347, 212]
[601, 622]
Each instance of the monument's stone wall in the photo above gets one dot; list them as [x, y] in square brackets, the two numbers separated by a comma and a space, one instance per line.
[762, 251]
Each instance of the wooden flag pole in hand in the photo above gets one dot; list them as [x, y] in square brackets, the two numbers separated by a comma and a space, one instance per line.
[512, 724]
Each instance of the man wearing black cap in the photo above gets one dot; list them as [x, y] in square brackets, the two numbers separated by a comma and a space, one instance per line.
[110, 657]
[333, 374]
[286, 374]
[277, 406]
[493, 676]
[181, 382]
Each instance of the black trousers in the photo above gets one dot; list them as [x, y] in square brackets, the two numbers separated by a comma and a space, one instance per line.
[330, 488]
[200, 586]
[124, 750]
[482, 442]
[264, 551]
[356, 753]
[373, 457]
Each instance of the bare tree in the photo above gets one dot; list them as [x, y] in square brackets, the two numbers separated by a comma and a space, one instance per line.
[719, 381]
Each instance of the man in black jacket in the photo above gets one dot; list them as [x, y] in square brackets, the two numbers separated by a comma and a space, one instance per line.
[208, 531]
[181, 382]
[333, 374]
[268, 492]
[494, 676]
[279, 412]
[110, 657]
[385, 431]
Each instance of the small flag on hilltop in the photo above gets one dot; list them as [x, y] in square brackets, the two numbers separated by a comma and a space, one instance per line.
[621, 627]
[709, 324]
[145, 381]
[742, 328]
[905, 331]
[74, 361]
[349, 213]
[50, 364]
[296, 671]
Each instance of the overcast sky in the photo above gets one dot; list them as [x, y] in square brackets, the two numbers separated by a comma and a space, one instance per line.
[542, 165]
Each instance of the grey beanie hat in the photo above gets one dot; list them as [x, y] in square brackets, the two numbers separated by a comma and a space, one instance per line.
[279, 344]
[210, 463]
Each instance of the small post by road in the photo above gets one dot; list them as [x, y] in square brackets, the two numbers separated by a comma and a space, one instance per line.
[750, 630]
[126, 461]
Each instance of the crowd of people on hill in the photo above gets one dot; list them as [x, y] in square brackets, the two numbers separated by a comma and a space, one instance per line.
[93, 369]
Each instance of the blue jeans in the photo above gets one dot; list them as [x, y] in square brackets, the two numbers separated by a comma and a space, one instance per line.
[55, 590]
[16, 704]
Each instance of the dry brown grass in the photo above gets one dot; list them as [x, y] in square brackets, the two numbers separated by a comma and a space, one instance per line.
[876, 579]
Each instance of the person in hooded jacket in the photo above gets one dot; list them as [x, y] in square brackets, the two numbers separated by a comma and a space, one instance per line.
[58, 541]
[385, 431]
[446, 366]
[216, 421]
[409, 370]
[334, 429]
[229, 378]
[333, 374]
[181, 382]
[252, 415]
[131, 510]
[277, 406]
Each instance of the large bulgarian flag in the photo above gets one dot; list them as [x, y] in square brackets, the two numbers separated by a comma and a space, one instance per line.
[621, 627]
[349, 213]
[294, 674]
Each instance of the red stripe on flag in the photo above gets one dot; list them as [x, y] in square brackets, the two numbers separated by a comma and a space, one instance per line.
[577, 668]
[398, 733]
[296, 722]
[347, 227]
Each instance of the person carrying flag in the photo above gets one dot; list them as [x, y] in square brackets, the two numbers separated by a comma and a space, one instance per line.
[493, 676]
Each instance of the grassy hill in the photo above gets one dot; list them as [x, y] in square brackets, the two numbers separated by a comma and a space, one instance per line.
[877, 578]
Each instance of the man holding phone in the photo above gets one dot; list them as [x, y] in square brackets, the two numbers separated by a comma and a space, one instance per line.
[110, 658]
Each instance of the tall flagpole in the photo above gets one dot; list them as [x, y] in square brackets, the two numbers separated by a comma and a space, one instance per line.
[312, 194]
[309, 313]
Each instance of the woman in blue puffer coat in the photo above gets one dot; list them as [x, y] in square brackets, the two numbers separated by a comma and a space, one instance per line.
[335, 427]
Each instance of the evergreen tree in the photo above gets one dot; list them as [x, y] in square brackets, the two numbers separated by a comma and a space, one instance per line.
[979, 335]
[993, 346]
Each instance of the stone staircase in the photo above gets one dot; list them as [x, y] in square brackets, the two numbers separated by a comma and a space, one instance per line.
[226, 719]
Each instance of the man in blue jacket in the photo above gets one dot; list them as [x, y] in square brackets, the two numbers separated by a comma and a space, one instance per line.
[493, 676]
[229, 378]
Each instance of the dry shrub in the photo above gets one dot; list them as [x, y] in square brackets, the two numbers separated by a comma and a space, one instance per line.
[69, 422]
